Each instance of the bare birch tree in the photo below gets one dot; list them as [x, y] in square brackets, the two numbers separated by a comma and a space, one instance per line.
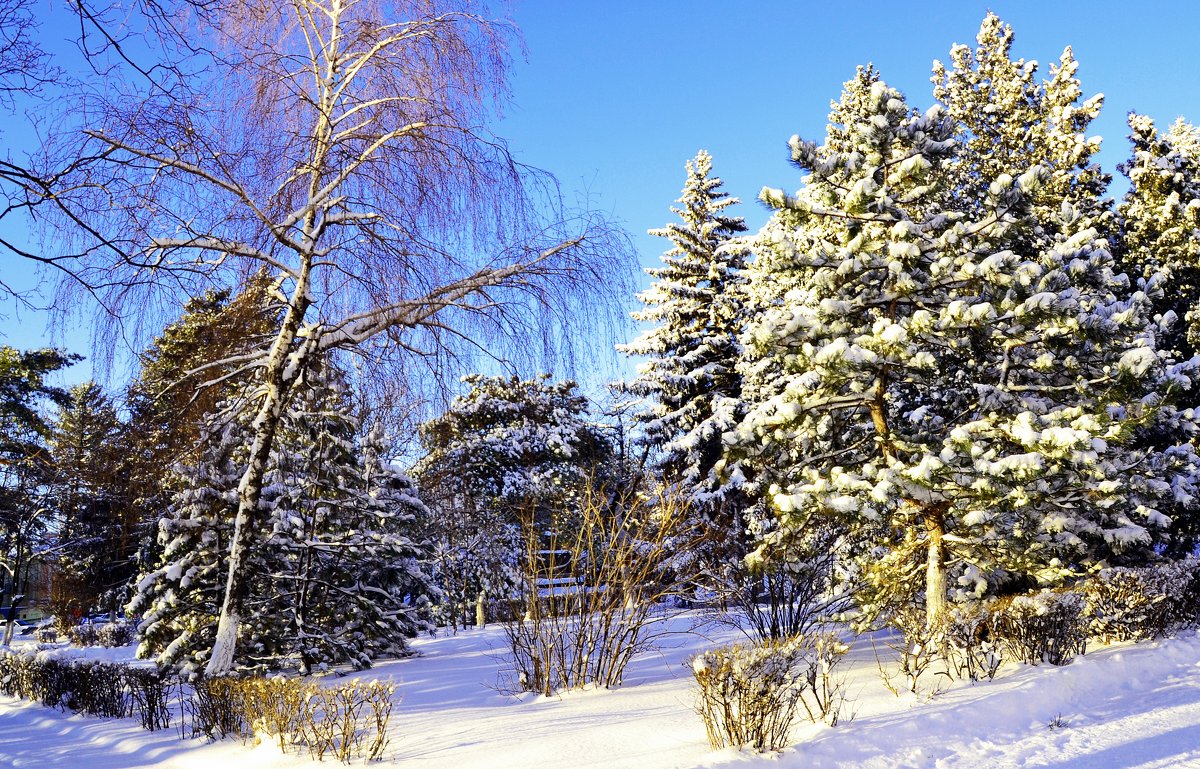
[339, 144]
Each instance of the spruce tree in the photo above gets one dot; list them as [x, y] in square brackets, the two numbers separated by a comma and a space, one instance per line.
[689, 380]
[338, 575]
[351, 584]
[508, 451]
[96, 548]
[959, 388]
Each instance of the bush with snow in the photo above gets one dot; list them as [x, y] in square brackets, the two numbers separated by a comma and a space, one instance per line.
[90, 687]
[749, 694]
[1135, 604]
[973, 647]
[115, 634]
[1047, 626]
[84, 635]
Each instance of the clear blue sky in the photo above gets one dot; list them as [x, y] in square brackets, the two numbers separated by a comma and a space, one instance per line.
[616, 95]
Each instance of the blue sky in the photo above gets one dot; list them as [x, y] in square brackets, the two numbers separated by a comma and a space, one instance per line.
[615, 96]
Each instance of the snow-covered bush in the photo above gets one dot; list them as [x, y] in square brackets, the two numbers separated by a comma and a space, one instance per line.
[84, 635]
[115, 634]
[1134, 604]
[749, 694]
[46, 635]
[918, 648]
[1047, 626]
[103, 689]
[973, 647]
[349, 720]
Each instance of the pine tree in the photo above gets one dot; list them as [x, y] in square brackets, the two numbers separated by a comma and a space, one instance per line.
[507, 451]
[26, 468]
[1007, 122]
[957, 388]
[338, 578]
[1160, 236]
[1160, 218]
[689, 378]
[168, 402]
[96, 548]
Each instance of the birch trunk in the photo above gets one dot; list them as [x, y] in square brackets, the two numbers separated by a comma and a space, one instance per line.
[282, 369]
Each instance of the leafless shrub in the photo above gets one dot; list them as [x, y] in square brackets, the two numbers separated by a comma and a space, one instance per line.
[824, 691]
[150, 692]
[972, 644]
[1041, 627]
[587, 594]
[1135, 604]
[214, 710]
[749, 694]
[82, 686]
[346, 721]
[917, 651]
[786, 594]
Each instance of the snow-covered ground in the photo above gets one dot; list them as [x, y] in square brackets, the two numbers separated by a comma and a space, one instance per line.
[1126, 706]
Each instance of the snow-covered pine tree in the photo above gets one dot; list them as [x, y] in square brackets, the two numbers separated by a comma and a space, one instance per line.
[1160, 235]
[352, 584]
[168, 404]
[337, 579]
[505, 450]
[965, 407]
[178, 596]
[1160, 220]
[689, 380]
[1008, 121]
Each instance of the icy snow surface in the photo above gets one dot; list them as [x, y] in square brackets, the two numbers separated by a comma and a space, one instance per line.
[1124, 706]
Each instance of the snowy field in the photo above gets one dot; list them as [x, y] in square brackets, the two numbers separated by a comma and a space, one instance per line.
[1121, 706]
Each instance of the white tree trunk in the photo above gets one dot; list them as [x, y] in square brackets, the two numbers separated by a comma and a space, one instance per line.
[283, 368]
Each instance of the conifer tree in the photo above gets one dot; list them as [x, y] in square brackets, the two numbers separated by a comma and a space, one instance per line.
[509, 450]
[1160, 218]
[1160, 236]
[169, 402]
[957, 388]
[26, 468]
[95, 552]
[1008, 121]
[338, 578]
[344, 525]
[688, 379]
